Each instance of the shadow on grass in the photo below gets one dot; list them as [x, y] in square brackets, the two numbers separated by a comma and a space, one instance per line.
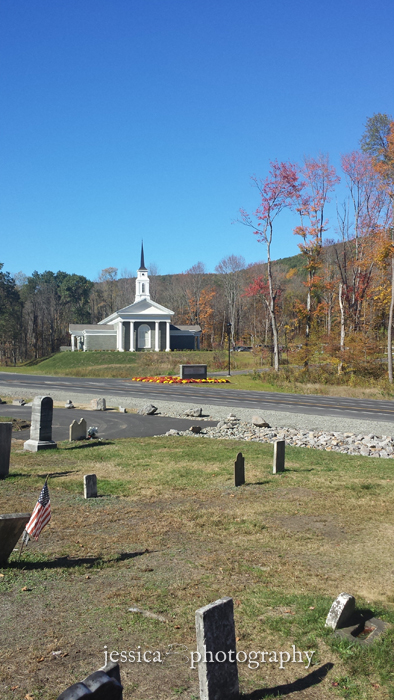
[256, 483]
[90, 444]
[301, 684]
[66, 563]
[50, 475]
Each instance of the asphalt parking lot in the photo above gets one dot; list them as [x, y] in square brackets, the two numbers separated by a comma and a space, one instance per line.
[110, 424]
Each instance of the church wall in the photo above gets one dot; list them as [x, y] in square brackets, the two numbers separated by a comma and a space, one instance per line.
[100, 342]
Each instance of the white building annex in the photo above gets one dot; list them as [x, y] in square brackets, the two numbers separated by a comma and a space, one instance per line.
[144, 325]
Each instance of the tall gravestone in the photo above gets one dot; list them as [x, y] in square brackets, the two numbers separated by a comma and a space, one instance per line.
[5, 448]
[217, 666]
[279, 457]
[239, 470]
[41, 425]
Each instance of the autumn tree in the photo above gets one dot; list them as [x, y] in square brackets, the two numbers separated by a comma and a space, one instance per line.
[231, 282]
[277, 192]
[378, 141]
[319, 180]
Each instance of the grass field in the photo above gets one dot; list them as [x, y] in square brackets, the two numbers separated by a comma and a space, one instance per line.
[169, 534]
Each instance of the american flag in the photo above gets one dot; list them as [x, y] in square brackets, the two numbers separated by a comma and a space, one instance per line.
[41, 514]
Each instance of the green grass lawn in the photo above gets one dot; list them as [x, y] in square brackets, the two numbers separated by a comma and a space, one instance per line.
[170, 533]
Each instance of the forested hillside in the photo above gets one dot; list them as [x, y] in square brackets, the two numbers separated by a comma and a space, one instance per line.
[334, 302]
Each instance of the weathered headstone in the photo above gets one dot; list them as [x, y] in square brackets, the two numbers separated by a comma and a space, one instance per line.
[90, 486]
[148, 410]
[69, 404]
[193, 371]
[279, 457]
[239, 470]
[341, 610]
[102, 685]
[217, 665]
[11, 528]
[98, 405]
[41, 425]
[5, 448]
[122, 409]
[18, 402]
[78, 430]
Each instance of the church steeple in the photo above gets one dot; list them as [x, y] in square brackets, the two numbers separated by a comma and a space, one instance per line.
[142, 264]
[142, 281]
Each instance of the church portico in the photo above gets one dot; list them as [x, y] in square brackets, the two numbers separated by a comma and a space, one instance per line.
[144, 326]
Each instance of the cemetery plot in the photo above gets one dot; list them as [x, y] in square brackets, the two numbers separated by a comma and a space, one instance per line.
[168, 534]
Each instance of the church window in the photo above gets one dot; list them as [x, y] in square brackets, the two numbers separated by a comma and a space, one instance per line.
[144, 336]
[143, 288]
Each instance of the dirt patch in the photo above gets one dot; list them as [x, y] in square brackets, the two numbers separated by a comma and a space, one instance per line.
[325, 526]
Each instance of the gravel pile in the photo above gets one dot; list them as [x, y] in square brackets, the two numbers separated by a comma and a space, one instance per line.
[232, 428]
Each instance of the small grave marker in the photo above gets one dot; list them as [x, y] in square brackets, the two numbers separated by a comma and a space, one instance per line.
[98, 405]
[215, 629]
[279, 457]
[239, 470]
[90, 486]
[5, 448]
[78, 430]
[102, 685]
[341, 610]
[11, 528]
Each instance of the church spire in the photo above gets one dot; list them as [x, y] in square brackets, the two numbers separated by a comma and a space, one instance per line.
[142, 281]
[142, 265]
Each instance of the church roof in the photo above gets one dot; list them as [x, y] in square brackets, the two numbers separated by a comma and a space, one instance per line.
[141, 308]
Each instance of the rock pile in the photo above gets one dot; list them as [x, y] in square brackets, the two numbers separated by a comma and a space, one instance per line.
[232, 428]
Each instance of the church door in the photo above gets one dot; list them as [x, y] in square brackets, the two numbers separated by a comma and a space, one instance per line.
[144, 336]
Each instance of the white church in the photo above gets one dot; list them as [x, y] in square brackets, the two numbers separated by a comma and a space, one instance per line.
[145, 325]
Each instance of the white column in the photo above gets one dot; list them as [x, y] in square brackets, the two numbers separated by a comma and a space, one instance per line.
[72, 343]
[167, 336]
[120, 337]
[157, 346]
[131, 336]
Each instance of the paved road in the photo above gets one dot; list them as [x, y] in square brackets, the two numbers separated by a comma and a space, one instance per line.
[110, 424]
[121, 390]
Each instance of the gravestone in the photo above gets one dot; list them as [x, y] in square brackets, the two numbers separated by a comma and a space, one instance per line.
[193, 371]
[102, 685]
[239, 470]
[69, 404]
[217, 673]
[41, 425]
[18, 402]
[341, 610]
[122, 409]
[78, 430]
[11, 528]
[98, 405]
[90, 486]
[5, 448]
[279, 457]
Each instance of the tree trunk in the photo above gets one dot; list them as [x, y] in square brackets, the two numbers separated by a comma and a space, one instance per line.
[390, 328]
[342, 340]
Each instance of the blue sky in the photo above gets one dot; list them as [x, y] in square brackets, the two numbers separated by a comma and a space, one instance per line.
[131, 119]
